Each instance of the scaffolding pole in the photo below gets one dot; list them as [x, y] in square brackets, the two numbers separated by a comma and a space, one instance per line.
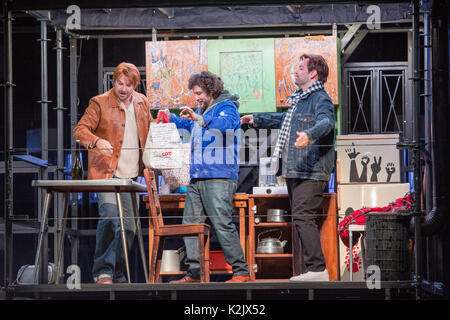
[416, 146]
[8, 145]
[43, 271]
[73, 122]
[60, 135]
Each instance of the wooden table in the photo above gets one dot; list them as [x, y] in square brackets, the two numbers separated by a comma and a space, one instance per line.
[175, 203]
[116, 186]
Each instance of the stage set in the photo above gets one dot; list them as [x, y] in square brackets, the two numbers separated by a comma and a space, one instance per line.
[388, 81]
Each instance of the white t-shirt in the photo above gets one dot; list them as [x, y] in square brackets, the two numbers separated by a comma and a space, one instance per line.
[128, 164]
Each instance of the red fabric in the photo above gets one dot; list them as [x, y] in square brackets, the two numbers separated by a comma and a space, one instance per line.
[359, 217]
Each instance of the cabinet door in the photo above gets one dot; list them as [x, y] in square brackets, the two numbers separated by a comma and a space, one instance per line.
[247, 68]
[368, 158]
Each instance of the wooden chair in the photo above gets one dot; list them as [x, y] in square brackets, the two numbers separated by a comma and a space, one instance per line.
[159, 231]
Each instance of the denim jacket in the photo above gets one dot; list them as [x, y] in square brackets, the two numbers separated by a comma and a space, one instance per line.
[315, 116]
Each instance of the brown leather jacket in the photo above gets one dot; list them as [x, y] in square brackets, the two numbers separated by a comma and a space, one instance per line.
[105, 119]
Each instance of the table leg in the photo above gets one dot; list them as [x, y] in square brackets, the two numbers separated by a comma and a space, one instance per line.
[139, 232]
[252, 209]
[242, 229]
[122, 232]
[60, 251]
[151, 237]
[42, 232]
[351, 254]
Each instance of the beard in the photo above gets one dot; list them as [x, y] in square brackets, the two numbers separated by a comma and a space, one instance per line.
[202, 105]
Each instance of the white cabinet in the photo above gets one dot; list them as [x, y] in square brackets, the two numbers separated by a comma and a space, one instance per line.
[367, 175]
[368, 159]
[352, 197]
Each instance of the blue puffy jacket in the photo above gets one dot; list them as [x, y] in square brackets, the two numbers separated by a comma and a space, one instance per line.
[215, 141]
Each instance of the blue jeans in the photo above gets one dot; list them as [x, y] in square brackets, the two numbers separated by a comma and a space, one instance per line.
[109, 258]
[213, 198]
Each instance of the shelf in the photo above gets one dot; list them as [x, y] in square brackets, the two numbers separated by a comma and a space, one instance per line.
[268, 196]
[172, 273]
[272, 224]
[273, 255]
[175, 273]
[271, 280]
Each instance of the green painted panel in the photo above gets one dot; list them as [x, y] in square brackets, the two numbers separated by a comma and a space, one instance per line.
[247, 67]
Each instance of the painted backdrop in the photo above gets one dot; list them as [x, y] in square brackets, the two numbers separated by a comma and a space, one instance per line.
[287, 53]
[246, 67]
[261, 71]
[169, 64]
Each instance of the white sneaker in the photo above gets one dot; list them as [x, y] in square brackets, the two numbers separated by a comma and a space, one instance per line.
[103, 279]
[312, 276]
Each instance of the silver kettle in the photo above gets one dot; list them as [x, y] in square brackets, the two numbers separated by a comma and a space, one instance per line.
[270, 245]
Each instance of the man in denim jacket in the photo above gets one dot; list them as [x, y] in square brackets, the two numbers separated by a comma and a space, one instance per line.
[215, 142]
[306, 145]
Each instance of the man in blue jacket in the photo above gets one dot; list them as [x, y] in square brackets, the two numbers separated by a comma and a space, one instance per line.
[215, 141]
[306, 145]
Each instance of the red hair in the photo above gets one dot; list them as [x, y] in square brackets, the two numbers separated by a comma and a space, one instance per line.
[130, 71]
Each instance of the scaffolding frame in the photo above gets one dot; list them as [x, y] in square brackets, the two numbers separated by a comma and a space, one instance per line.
[73, 41]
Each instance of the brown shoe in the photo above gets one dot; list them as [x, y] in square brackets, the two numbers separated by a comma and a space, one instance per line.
[185, 279]
[239, 279]
[104, 280]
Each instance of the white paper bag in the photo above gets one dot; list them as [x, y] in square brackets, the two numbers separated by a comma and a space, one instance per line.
[179, 177]
[163, 148]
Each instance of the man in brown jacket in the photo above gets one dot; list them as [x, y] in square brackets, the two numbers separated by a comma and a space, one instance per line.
[114, 129]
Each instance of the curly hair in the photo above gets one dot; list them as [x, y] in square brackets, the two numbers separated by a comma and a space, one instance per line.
[318, 63]
[209, 82]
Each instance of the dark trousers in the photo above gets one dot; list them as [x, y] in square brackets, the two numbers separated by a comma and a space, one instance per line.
[305, 197]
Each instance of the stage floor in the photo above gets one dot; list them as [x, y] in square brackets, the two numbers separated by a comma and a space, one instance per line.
[264, 290]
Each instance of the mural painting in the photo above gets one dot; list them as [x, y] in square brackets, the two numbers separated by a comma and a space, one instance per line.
[246, 67]
[169, 64]
[287, 54]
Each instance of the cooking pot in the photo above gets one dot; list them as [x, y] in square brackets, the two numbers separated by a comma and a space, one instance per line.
[171, 259]
[270, 245]
[275, 215]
